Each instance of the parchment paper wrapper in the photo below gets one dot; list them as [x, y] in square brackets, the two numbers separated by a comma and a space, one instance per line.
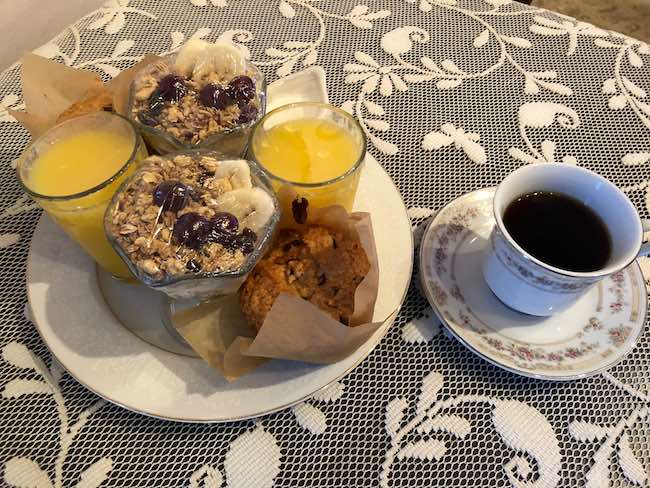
[49, 88]
[294, 329]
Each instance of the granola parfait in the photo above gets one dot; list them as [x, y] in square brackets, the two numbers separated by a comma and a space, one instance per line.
[205, 96]
[191, 223]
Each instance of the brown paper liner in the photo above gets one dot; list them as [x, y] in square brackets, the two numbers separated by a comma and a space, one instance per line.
[121, 84]
[218, 333]
[294, 329]
[49, 88]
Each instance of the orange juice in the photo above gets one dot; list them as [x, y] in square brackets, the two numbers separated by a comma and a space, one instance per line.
[74, 175]
[79, 162]
[311, 153]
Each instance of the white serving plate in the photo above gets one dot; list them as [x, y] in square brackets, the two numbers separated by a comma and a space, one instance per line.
[93, 346]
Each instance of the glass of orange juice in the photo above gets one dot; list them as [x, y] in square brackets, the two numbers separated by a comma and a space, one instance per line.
[310, 150]
[72, 172]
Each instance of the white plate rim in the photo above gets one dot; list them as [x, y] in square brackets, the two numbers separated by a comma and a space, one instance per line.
[369, 346]
[520, 371]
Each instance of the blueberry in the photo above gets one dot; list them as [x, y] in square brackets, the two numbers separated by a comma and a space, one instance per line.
[172, 88]
[242, 89]
[245, 241]
[247, 113]
[215, 96]
[299, 207]
[191, 230]
[193, 266]
[245, 245]
[171, 195]
[226, 222]
[249, 234]
[226, 239]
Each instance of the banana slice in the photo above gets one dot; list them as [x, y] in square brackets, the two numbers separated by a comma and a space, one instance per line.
[200, 58]
[253, 207]
[188, 55]
[221, 57]
[237, 171]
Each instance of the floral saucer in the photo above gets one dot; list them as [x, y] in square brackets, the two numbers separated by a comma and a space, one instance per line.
[595, 333]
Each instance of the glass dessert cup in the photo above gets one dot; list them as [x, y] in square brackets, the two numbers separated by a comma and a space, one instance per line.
[163, 297]
[81, 215]
[231, 142]
[339, 190]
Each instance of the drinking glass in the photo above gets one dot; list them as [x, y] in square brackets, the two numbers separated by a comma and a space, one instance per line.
[199, 285]
[340, 190]
[231, 142]
[81, 215]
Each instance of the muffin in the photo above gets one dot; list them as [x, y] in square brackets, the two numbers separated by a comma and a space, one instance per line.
[96, 100]
[313, 263]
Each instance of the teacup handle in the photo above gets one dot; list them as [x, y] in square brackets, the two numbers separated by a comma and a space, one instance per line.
[645, 247]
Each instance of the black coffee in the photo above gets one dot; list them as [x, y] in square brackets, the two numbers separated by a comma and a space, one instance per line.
[559, 230]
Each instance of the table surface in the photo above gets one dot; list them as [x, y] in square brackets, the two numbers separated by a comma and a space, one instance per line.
[453, 95]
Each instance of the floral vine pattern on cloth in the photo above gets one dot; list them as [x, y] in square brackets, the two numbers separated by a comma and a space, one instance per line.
[622, 91]
[107, 64]
[22, 472]
[446, 73]
[253, 460]
[312, 418]
[112, 16]
[549, 27]
[397, 42]
[306, 52]
[467, 141]
[214, 3]
[521, 427]
[422, 329]
[538, 115]
[615, 439]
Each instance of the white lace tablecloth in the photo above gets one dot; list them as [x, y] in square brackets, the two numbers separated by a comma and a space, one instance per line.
[453, 95]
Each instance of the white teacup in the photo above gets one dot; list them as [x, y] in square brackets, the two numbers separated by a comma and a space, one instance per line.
[529, 285]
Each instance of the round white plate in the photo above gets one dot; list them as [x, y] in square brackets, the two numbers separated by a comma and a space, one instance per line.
[84, 336]
[595, 333]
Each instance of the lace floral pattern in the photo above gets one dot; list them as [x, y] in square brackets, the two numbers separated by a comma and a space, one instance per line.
[452, 95]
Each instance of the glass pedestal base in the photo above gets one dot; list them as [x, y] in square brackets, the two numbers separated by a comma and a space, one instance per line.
[145, 312]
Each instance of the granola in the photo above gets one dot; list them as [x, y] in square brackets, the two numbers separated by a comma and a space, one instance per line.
[188, 214]
[192, 102]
